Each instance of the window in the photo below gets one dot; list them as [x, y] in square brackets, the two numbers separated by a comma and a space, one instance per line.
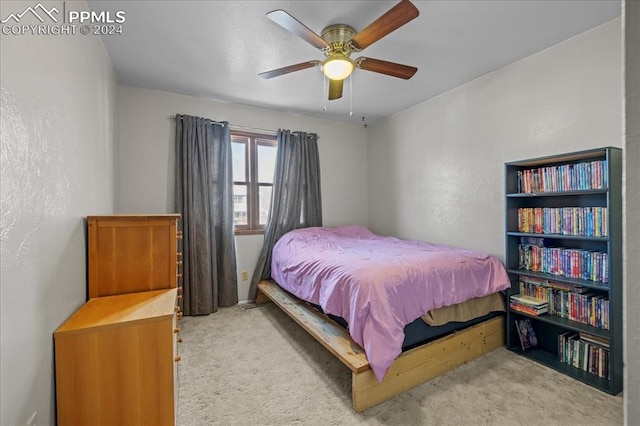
[254, 162]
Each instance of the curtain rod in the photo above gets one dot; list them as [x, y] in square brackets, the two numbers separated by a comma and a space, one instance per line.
[173, 117]
[241, 128]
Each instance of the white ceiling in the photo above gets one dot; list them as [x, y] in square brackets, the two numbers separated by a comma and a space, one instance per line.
[215, 49]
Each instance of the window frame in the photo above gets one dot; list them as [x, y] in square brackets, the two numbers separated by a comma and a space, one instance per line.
[251, 142]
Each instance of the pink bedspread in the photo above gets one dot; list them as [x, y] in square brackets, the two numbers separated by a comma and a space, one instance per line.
[380, 284]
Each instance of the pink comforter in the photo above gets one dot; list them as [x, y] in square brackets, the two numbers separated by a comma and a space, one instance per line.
[380, 284]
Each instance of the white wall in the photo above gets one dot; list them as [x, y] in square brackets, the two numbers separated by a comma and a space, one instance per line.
[147, 158]
[631, 16]
[58, 99]
[436, 170]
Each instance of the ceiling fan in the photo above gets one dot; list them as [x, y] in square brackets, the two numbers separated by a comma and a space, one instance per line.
[338, 41]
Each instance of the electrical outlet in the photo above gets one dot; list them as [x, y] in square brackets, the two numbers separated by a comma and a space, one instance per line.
[33, 420]
[244, 275]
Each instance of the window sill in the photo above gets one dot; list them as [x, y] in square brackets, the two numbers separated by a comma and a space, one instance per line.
[249, 232]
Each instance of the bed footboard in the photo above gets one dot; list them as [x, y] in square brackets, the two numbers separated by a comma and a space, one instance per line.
[421, 364]
[410, 369]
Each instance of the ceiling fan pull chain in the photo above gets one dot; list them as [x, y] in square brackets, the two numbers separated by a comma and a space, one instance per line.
[350, 95]
[324, 90]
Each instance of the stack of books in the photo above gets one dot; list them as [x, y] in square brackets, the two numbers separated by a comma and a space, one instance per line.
[586, 352]
[569, 301]
[528, 305]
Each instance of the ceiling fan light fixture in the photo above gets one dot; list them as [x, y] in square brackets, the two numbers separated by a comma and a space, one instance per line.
[338, 67]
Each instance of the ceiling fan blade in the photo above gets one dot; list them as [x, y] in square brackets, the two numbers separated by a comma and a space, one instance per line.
[288, 69]
[291, 24]
[384, 67]
[335, 89]
[395, 17]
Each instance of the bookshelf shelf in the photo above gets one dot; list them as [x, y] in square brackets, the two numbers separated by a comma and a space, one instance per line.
[590, 180]
[558, 236]
[556, 194]
[560, 278]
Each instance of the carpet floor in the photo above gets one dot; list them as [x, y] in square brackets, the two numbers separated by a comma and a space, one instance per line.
[257, 367]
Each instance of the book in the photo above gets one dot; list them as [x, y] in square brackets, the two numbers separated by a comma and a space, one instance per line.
[528, 304]
[526, 334]
[601, 341]
[529, 310]
[529, 300]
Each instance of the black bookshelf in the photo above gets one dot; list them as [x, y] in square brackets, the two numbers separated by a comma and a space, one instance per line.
[581, 192]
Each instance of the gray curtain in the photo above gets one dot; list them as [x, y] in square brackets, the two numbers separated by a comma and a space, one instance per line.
[204, 198]
[296, 200]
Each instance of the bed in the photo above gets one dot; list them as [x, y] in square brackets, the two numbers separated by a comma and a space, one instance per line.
[378, 286]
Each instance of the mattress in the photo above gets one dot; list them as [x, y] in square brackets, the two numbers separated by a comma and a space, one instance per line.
[443, 321]
[380, 284]
[466, 311]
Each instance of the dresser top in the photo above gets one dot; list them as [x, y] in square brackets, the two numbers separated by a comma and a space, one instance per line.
[135, 216]
[114, 311]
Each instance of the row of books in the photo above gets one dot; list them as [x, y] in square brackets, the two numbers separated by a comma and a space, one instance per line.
[528, 304]
[586, 221]
[572, 263]
[539, 287]
[581, 306]
[586, 352]
[567, 177]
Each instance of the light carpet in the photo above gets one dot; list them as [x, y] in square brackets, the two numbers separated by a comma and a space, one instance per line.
[257, 367]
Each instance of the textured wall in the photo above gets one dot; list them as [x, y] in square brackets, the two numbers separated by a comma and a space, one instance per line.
[436, 171]
[58, 98]
[147, 158]
[631, 13]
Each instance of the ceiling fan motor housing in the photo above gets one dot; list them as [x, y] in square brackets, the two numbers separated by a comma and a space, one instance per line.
[338, 37]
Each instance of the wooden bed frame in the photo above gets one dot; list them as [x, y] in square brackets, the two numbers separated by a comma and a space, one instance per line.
[410, 369]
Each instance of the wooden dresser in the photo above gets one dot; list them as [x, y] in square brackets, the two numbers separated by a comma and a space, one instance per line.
[116, 361]
[116, 356]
